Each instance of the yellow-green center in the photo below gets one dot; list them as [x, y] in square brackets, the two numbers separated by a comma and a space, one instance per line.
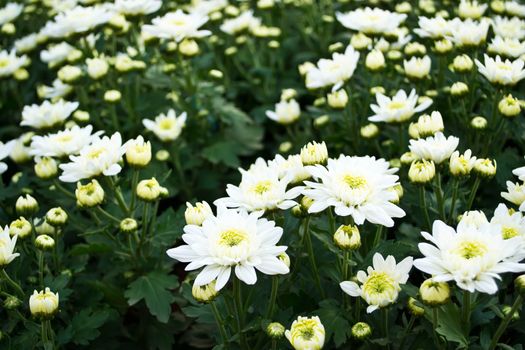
[262, 187]
[471, 249]
[379, 283]
[509, 232]
[232, 238]
[354, 182]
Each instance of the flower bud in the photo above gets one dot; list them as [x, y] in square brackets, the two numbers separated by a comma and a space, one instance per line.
[97, 67]
[195, 215]
[162, 155]
[314, 153]
[361, 331]
[434, 293]
[459, 89]
[46, 168]
[506, 309]
[375, 60]
[337, 99]
[69, 74]
[21, 74]
[462, 63]
[485, 167]
[369, 131]
[204, 294]
[461, 165]
[112, 96]
[45, 229]
[56, 217]
[189, 47]
[306, 203]
[305, 67]
[347, 237]
[12, 303]
[20, 227]
[275, 330]
[26, 206]
[43, 304]
[321, 120]
[475, 218]
[215, 73]
[148, 190]
[407, 158]
[288, 94]
[519, 284]
[421, 171]
[509, 106]
[285, 258]
[138, 152]
[89, 195]
[414, 308]
[44, 242]
[81, 116]
[306, 333]
[360, 41]
[128, 225]
[443, 46]
[478, 123]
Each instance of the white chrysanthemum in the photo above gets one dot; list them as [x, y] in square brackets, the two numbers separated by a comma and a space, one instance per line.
[397, 109]
[10, 12]
[10, 63]
[355, 186]
[468, 32]
[245, 21]
[101, 157]
[333, 71]
[77, 20]
[476, 218]
[56, 54]
[177, 26]
[232, 239]
[507, 46]
[417, 67]
[26, 43]
[291, 167]
[471, 9]
[63, 143]
[260, 189]
[7, 246]
[461, 164]
[286, 112]
[435, 27]
[472, 257]
[520, 173]
[57, 90]
[515, 8]
[371, 20]
[167, 127]
[381, 283]
[137, 7]
[437, 148]
[502, 72]
[205, 7]
[5, 151]
[512, 28]
[47, 114]
[512, 223]
[515, 194]
[306, 333]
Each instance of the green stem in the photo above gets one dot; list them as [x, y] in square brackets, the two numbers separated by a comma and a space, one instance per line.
[311, 256]
[63, 189]
[273, 297]
[107, 215]
[41, 268]
[134, 182]
[377, 237]
[385, 326]
[13, 284]
[423, 204]
[407, 331]
[220, 324]
[455, 187]
[239, 312]
[466, 310]
[43, 333]
[505, 322]
[473, 193]
[439, 197]
[434, 326]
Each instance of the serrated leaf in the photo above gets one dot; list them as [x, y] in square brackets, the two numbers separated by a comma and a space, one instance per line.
[153, 288]
[450, 325]
[334, 323]
[84, 325]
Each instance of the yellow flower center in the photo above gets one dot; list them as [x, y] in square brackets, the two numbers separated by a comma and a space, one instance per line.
[395, 105]
[262, 187]
[379, 283]
[503, 66]
[166, 124]
[95, 153]
[354, 182]
[305, 329]
[179, 22]
[471, 249]
[4, 62]
[509, 232]
[232, 238]
[64, 138]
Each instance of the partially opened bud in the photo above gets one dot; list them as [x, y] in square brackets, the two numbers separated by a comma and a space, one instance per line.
[205, 293]
[434, 293]
[148, 190]
[56, 217]
[89, 195]
[347, 237]
[44, 242]
[26, 206]
[43, 304]
[361, 331]
[20, 227]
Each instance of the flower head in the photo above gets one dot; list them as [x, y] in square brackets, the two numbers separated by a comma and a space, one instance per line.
[333, 72]
[47, 114]
[167, 127]
[177, 26]
[306, 333]
[43, 304]
[397, 109]
[437, 148]
[371, 20]
[502, 72]
[7, 246]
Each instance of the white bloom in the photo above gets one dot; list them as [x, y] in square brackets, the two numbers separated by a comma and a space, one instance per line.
[43, 303]
[7, 246]
[177, 26]
[306, 333]
[333, 71]
[427, 125]
[63, 143]
[461, 165]
[512, 28]
[286, 112]
[471, 9]
[381, 283]
[507, 46]
[47, 114]
[26, 43]
[472, 257]
[417, 67]
[10, 63]
[398, 108]
[77, 20]
[512, 223]
[515, 8]
[195, 215]
[205, 7]
[355, 186]
[474, 218]
[435, 27]
[291, 167]
[97, 67]
[56, 91]
[167, 127]
[5, 151]
[515, 194]
[245, 21]
[229, 240]
[260, 189]
[10, 12]
[437, 148]
[371, 20]
[468, 32]
[520, 173]
[101, 157]
[137, 7]
[502, 72]
[56, 54]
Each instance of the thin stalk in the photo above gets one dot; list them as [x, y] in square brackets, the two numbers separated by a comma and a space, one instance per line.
[423, 204]
[466, 310]
[505, 322]
[385, 326]
[273, 297]
[41, 268]
[12, 283]
[434, 326]
[473, 192]
[311, 256]
[134, 181]
[378, 235]
[220, 324]
[239, 313]
[107, 215]
[439, 197]
[455, 187]
[407, 331]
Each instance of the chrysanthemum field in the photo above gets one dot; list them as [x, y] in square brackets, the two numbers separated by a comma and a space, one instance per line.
[271, 174]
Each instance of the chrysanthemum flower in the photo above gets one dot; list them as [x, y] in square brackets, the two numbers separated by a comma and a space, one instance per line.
[5, 151]
[47, 114]
[10, 63]
[232, 239]
[512, 222]
[177, 26]
[306, 333]
[437, 148]
[371, 20]
[137, 7]
[397, 109]
[502, 72]
[7, 246]
[515, 194]
[77, 20]
[63, 143]
[434, 27]
[167, 127]
[333, 72]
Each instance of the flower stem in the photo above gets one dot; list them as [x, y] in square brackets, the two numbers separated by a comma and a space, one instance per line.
[41, 268]
[273, 297]
[439, 197]
[423, 204]
[473, 193]
[13, 284]
[407, 330]
[466, 310]
[311, 256]
[434, 326]
[220, 324]
[378, 235]
[385, 326]
[455, 187]
[505, 322]
[134, 181]
[239, 312]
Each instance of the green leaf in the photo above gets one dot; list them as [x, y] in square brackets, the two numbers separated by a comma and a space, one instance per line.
[153, 288]
[84, 325]
[224, 152]
[334, 323]
[450, 325]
